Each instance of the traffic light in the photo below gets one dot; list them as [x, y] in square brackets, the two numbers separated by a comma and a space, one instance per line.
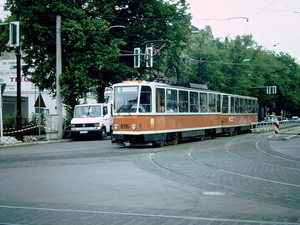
[14, 34]
[137, 57]
[149, 57]
[271, 89]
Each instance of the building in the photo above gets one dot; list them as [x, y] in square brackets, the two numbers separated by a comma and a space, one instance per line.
[29, 92]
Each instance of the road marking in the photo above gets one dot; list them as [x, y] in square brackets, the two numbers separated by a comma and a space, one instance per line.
[149, 215]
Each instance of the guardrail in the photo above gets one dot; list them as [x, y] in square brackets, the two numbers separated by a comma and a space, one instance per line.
[269, 126]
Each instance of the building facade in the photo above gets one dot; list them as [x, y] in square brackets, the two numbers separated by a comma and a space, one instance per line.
[32, 105]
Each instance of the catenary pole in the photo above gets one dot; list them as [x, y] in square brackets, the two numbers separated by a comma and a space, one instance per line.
[58, 73]
[19, 134]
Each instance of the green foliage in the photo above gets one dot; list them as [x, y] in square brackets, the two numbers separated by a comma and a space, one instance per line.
[240, 66]
[90, 49]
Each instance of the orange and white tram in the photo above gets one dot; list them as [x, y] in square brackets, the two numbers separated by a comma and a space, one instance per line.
[150, 113]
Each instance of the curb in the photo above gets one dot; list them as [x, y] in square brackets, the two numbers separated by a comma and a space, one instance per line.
[20, 144]
[282, 137]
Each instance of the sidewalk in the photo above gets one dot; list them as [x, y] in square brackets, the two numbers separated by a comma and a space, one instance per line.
[287, 142]
[28, 140]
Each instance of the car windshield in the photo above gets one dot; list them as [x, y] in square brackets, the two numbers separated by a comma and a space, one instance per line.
[87, 111]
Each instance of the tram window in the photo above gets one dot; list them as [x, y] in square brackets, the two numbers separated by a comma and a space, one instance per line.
[183, 101]
[256, 106]
[145, 99]
[203, 102]
[253, 106]
[232, 105]
[225, 104]
[125, 98]
[247, 106]
[160, 100]
[218, 101]
[212, 102]
[242, 105]
[172, 102]
[237, 105]
[194, 100]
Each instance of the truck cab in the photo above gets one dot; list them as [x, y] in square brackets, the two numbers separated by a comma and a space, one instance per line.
[91, 120]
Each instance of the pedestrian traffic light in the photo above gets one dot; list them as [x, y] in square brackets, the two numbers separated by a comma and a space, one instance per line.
[14, 34]
[137, 57]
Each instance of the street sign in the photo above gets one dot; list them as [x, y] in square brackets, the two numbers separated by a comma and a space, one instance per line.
[39, 103]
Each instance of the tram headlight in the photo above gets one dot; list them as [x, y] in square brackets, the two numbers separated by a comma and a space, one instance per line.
[116, 127]
[133, 126]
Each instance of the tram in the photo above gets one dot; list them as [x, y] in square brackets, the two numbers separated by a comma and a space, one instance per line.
[151, 113]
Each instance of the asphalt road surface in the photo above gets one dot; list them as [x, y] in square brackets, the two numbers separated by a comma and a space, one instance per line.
[227, 180]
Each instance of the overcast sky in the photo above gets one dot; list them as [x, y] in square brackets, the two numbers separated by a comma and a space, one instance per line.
[274, 24]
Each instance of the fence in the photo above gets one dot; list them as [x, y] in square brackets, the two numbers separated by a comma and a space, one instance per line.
[29, 126]
[269, 126]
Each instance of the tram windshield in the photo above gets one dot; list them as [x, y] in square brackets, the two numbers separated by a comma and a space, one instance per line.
[126, 99]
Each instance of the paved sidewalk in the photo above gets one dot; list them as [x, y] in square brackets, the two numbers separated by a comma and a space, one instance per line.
[287, 142]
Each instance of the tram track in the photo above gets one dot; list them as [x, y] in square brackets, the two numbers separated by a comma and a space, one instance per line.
[272, 188]
[284, 160]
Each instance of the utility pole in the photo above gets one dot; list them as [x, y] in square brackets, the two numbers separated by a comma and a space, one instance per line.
[19, 134]
[58, 73]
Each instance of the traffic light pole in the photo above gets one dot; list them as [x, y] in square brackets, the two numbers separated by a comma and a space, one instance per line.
[19, 134]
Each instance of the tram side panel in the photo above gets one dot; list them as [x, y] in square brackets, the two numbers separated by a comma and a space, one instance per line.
[153, 128]
[238, 123]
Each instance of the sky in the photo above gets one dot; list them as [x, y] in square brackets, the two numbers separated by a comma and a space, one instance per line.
[274, 24]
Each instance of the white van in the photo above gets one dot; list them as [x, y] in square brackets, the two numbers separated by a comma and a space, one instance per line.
[91, 120]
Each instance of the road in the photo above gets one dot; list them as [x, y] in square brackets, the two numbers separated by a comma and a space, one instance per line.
[227, 180]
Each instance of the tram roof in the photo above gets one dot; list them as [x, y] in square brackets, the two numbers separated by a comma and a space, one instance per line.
[186, 86]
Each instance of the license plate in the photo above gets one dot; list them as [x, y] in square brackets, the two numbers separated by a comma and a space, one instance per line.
[83, 132]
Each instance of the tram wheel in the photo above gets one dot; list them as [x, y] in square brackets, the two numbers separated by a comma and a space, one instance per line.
[233, 133]
[161, 144]
[174, 139]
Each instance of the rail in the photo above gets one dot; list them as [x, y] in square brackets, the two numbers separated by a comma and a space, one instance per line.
[269, 126]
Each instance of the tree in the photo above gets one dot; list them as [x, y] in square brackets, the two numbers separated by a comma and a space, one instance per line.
[241, 66]
[147, 21]
[91, 50]
[288, 81]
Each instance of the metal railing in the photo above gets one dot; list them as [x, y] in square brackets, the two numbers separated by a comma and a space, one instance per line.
[269, 126]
